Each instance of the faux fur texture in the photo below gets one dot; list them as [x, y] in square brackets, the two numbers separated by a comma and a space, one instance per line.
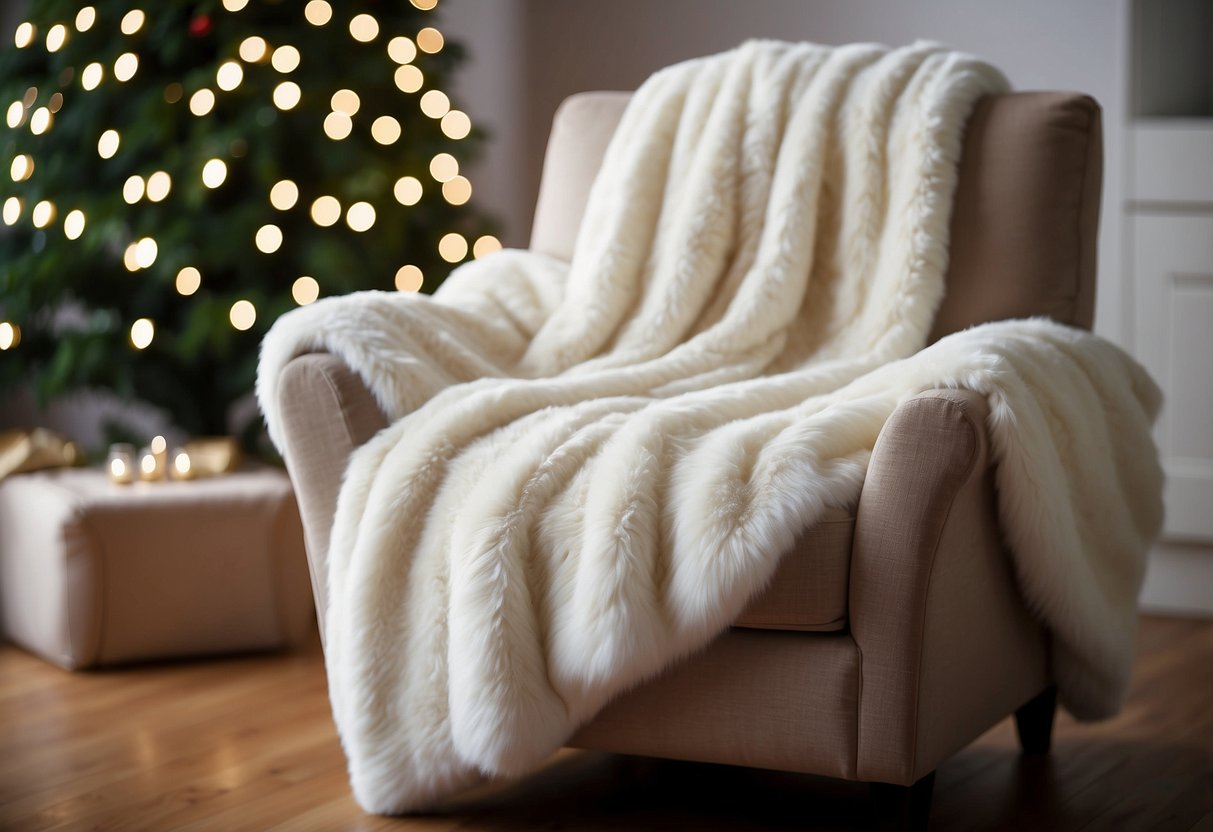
[594, 466]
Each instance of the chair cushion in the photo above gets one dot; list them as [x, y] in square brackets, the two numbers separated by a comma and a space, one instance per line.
[809, 590]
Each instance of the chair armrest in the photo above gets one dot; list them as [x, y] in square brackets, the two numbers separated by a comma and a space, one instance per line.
[327, 412]
[947, 647]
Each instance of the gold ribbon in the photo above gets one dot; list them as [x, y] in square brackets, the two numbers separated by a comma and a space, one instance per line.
[32, 450]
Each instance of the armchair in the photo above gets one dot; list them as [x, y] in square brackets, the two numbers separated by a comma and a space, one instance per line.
[892, 635]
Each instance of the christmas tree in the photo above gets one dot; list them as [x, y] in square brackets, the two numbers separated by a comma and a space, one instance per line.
[183, 172]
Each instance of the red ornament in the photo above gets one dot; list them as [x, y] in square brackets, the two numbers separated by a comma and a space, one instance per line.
[200, 26]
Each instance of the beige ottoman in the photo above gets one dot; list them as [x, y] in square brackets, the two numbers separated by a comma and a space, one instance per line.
[95, 573]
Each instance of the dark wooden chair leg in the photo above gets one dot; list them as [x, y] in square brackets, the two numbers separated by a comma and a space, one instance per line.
[903, 808]
[1034, 722]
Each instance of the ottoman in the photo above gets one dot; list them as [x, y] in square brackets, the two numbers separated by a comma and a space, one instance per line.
[93, 573]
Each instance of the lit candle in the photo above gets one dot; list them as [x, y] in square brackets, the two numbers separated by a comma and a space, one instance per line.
[183, 466]
[151, 464]
[121, 463]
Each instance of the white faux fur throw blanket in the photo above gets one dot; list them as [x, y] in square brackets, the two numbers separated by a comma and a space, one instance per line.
[595, 465]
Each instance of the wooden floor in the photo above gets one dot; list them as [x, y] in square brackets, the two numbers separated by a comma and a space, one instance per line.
[248, 744]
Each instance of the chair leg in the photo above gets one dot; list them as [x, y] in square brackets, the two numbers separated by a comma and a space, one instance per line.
[1034, 722]
[903, 808]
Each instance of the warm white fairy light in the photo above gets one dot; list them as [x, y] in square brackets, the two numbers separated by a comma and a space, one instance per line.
[430, 40]
[435, 104]
[424, 5]
[142, 333]
[284, 195]
[268, 238]
[158, 186]
[108, 144]
[40, 121]
[444, 167]
[326, 210]
[242, 315]
[485, 246]
[286, 59]
[407, 190]
[305, 290]
[145, 252]
[92, 75]
[345, 101]
[287, 95]
[43, 214]
[133, 189]
[318, 12]
[337, 126]
[56, 102]
[229, 75]
[409, 78]
[202, 102]
[126, 66]
[128, 258]
[253, 49]
[12, 210]
[385, 130]
[10, 335]
[188, 280]
[73, 224]
[22, 167]
[132, 22]
[214, 172]
[364, 28]
[457, 190]
[15, 114]
[360, 216]
[456, 125]
[24, 35]
[409, 279]
[453, 247]
[85, 18]
[56, 37]
[234, 5]
[401, 50]
[31, 95]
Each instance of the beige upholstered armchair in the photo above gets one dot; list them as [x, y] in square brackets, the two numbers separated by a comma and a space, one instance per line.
[893, 635]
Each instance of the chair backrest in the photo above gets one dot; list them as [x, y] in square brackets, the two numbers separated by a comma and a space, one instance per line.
[1024, 222]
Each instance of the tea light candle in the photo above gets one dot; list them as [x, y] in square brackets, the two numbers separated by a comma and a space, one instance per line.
[151, 464]
[183, 466]
[121, 463]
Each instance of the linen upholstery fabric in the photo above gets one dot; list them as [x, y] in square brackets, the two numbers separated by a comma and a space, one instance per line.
[92, 573]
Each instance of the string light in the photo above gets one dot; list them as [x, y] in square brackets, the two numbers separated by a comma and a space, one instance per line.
[126, 66]
[401, 50]
[253, 49]
[284, 195]
[133, 189]
[407, 190]
[56, 36]
[305, 290]
[409, 279]
[132, 22]
[457, 190]
[430, 40]
[40, 121]
[142, 333]
[326, 210]
[409, 78]
[188, 281]
[234, 5]
[337, 126]
[12, 210]
[158, 186]
[456, 125]
[56, 102]
[145, 252]
[43, 214]
[92, 75]
[345, 101]
[435, 104]
[128, 258]
[287, 95]
[85, 18]
[485, 246]
[360, 216]
[268, 238]
[443, 167]
[214, 172]
[107, 145]
[15, 114]
[364, 28]
[31, 95]
[10, 335]
[318, 12]
[385, 130]
[22, 167]
[453, 247]
[424, 5]
[229, 75]
[286, 59]
[73, 224]
[24, 35]
[173, 93]
[243, 315]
